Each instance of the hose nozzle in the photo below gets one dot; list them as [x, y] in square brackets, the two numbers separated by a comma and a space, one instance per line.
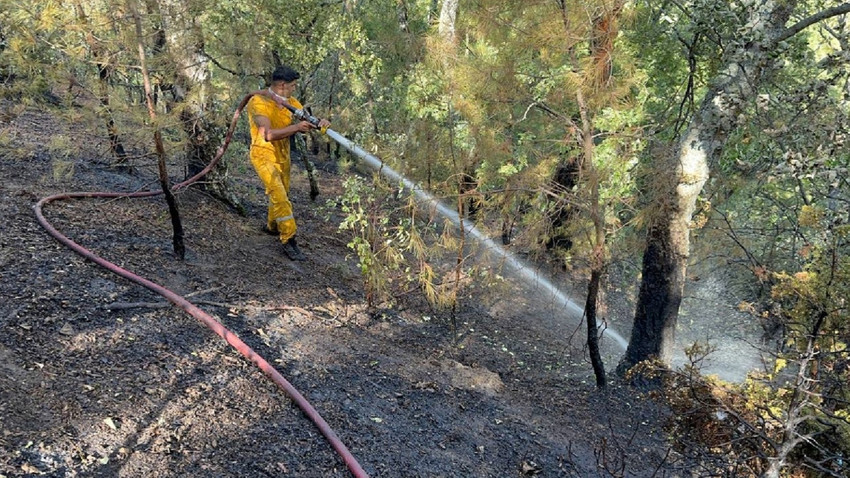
[302, 115]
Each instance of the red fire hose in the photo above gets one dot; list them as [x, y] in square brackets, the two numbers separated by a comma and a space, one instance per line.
[193, 310]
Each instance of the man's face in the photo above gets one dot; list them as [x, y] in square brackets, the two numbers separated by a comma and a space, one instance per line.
[288, 88]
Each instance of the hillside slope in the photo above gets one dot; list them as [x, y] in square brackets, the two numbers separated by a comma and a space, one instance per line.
[99, 378]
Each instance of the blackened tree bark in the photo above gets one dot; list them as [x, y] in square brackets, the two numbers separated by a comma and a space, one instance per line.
[748, 62]
[597, 260]
[590, 312]
[467, 188]
[174, 211]
[660, 296]
[565, 180]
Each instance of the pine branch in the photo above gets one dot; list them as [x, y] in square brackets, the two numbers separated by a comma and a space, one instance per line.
[231, 71]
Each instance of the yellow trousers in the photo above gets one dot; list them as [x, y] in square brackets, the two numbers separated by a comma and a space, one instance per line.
[275, 177]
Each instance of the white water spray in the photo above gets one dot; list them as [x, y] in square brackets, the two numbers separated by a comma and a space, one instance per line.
[526, 272]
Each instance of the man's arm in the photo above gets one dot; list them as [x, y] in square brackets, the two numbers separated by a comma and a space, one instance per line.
[264, 127]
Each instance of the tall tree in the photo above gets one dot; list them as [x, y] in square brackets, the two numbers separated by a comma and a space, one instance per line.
[536, 85]
[181, 34]
[750, 59]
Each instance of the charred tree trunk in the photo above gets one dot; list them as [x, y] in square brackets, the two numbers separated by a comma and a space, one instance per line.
[565, 179]
[668, 240]
[511, 208]
[174, 211]
[597, 260]
[467, 188]
[660, 296]
[590, 308]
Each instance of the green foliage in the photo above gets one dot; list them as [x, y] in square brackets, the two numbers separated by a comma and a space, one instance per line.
[811, 305]
[32, 43]
[392, 248]
[365, 219]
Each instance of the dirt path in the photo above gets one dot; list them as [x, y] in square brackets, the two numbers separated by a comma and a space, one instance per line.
[89, 387]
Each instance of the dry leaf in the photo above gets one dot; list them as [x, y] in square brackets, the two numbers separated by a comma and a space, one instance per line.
[110, 423]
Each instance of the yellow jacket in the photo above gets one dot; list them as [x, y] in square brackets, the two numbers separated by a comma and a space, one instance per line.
[279, 117]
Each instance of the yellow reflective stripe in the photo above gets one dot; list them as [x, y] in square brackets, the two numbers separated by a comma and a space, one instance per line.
[283, 219]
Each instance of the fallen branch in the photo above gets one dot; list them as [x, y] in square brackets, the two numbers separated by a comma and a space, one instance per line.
[165, 305]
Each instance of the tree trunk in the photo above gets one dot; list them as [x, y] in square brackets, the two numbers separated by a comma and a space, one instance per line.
[592, 327]
[448, 14]
[104, 70]
[597, 260]
[467, 190]
[668, 240]
[177, 225]
[184, 40]
[653, 334]
[565, 179]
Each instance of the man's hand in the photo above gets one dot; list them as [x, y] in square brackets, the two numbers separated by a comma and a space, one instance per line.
[324, 124]
[304, 126]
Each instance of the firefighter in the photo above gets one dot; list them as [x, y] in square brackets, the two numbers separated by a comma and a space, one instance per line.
[271, 127]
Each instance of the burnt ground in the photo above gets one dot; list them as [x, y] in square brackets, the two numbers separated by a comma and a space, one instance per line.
[92, 386]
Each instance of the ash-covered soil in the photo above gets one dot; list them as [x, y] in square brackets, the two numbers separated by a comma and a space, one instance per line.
[99, 377]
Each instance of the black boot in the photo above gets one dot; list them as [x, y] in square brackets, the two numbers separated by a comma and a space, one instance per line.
[290, 248]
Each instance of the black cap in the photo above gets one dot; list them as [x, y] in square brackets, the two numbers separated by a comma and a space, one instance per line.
[285, 73]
